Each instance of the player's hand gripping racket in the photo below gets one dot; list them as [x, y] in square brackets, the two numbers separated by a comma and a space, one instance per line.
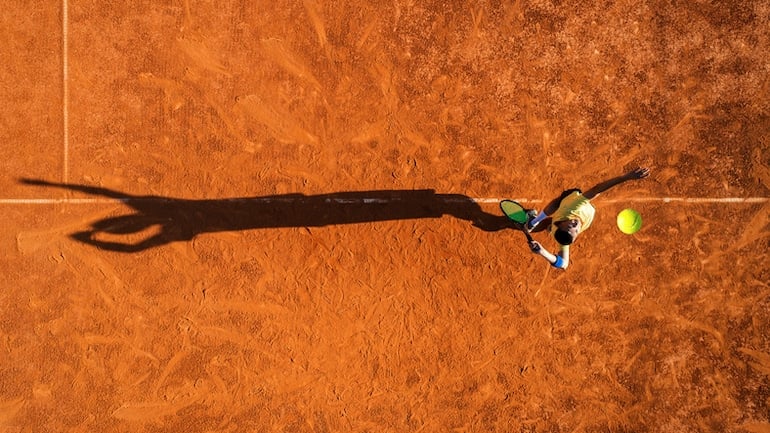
[516, 213]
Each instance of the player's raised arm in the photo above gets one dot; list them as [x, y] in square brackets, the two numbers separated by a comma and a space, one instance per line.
[638, 173]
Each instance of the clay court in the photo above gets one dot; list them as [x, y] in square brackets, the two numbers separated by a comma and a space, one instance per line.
[230, 216]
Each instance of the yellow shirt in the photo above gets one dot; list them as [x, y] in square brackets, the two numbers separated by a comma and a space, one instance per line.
[574, 206]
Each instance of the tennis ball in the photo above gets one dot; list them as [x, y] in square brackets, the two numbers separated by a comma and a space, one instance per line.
[629, 221]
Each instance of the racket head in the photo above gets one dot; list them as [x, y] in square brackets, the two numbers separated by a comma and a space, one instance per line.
[514, 211]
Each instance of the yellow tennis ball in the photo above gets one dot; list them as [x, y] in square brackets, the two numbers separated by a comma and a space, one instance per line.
[629, 221]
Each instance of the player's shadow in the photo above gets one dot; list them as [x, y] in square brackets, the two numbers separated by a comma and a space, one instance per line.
[161, 220]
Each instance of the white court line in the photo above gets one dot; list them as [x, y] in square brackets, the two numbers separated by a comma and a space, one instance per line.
[66, 89]
[79, 201]
[725, 200]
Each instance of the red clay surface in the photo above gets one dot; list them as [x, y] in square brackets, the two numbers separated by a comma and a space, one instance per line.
[184, 312]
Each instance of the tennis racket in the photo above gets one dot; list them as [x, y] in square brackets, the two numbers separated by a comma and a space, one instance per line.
[516, 213]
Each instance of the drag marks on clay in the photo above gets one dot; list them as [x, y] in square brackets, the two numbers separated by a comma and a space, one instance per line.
[314, 12]
[363, 44]
[478, 18]
[756, 427]
[367, 137]
[277, 51]
[267, 309]
[756, 229]
[202, 56]
[100, 297]
[9, 410]
[175, 400]
[382, 73]
[186, 92]
[283, 126]
[760, 361]
[760, 166]
[172, 365]
[173, 90]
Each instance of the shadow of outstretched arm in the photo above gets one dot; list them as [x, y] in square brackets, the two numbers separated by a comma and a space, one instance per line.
[91, 190]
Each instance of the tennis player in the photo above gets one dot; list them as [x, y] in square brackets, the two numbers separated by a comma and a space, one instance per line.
[570, 214]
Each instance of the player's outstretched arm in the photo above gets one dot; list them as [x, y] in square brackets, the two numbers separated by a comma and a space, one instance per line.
[638, 173]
